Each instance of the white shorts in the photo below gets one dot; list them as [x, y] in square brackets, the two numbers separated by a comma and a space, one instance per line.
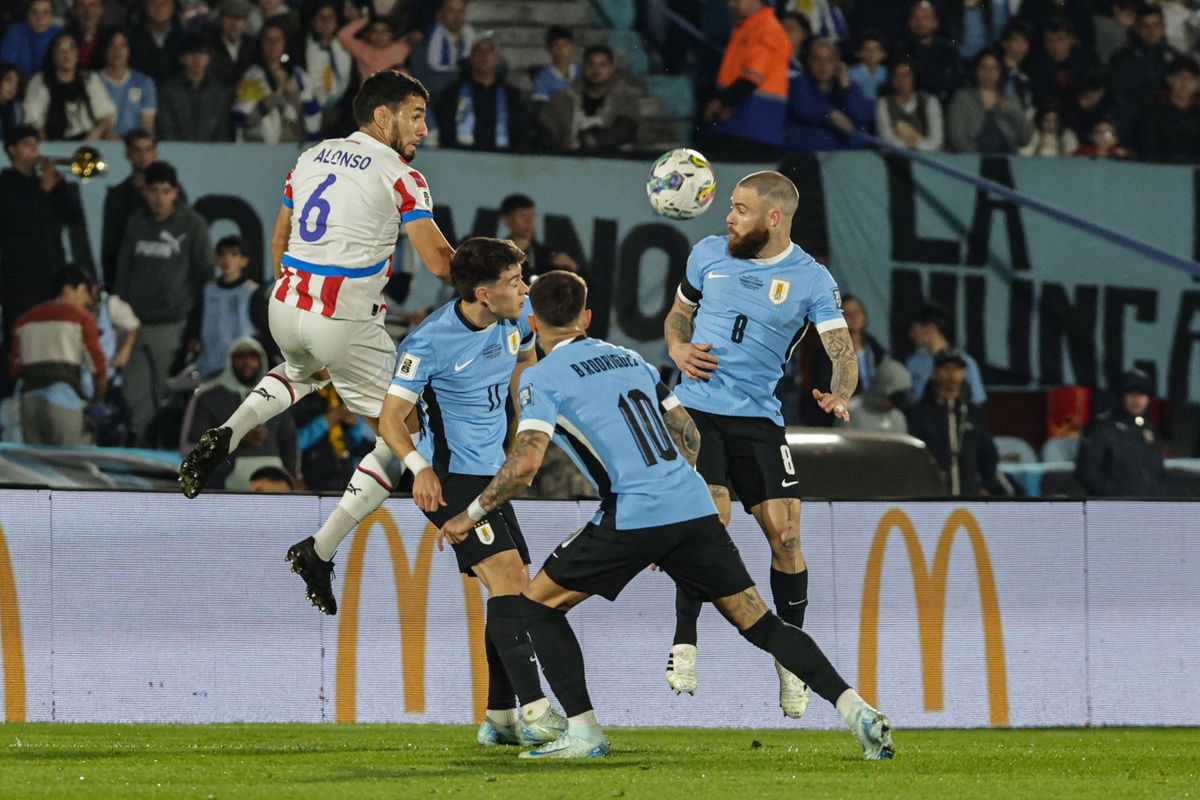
[360, 356]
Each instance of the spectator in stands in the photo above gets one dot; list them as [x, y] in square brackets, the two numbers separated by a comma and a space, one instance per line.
[193, 106]
[35, 204]
[1121, 452]
[12, 93]
[519, 215]
[598, 113]
[234, 50]
[272, 444]
[331, 438]
[1104, 142]
[870, 74]
[276, 11]
[1172, 132]
[26, 43]
[271, 480]
[436, 61]
[906, 117]
[1039, 14]
[53, 343]
[825, 18]
[157, 41]
[1057, 72]
[937, 66]
[133, 94]
[1089, 106]
[482, 111]
[956, 431]
[86, 18]
[1116, 29]
[800, 33]
[1136, 74]
[164, 263]
[226, 305]
[750, 109]
[1051, 136]
[930, 334]
[122, 200]
[869, 350]
[824, 107]
[377, 48]
[63, 102]
[1014, 61]
[326, 61]
[879, 407]
[981, 120]
[563, 69]
[119, 330]
[275, 101]
[975, 24]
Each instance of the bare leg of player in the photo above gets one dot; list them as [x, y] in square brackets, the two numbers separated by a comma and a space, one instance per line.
[681, 663]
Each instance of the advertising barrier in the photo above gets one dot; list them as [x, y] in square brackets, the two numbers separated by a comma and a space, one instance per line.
[149, 607]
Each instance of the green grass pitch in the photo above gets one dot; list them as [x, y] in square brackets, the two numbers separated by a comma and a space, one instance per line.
[417, 761]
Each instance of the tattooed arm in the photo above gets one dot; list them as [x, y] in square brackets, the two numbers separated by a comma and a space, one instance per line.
[683, 432]
[517, 473]
[693, 360]
[840, 349]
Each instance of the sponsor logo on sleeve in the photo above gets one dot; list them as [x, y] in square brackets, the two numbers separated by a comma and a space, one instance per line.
[407, 368]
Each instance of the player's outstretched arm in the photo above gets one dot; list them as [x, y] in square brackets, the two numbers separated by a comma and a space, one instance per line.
[279, 238]
[683, 432]
[431, 246]
[840, 350]
[693, 360]
[517, 473]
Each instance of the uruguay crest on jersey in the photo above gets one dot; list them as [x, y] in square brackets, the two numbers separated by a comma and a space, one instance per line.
[514, 341]
[779, 290]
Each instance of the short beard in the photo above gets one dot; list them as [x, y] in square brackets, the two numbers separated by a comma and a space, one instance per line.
[750, 245]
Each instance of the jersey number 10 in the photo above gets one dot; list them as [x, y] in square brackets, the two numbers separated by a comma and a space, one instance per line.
[647, 427]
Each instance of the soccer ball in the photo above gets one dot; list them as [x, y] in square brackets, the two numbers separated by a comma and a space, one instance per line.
[681, 184]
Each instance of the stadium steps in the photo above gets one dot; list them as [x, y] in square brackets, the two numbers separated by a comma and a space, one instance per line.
[525, 35]
[484, 14]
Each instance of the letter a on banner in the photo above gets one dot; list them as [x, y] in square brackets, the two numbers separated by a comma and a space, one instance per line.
[930, 589]
[11, 649]
[412, 603]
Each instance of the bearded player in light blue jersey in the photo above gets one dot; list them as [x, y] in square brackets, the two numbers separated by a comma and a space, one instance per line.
[741, 310]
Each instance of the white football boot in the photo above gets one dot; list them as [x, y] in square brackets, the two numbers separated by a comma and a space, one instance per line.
[581, 742]
[793, 693]
[681, 668]
[546, 728]
[873, 731]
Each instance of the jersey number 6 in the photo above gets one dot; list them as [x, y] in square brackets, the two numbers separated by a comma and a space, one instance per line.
[321, 205]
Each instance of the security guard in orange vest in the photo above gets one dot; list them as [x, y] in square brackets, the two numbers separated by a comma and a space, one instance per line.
[752, 84]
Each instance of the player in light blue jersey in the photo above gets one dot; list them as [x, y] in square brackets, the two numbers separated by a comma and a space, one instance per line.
[744, 304]
[460, 366]
[605, 406]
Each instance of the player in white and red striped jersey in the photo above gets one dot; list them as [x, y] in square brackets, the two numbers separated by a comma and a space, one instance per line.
[343, 205]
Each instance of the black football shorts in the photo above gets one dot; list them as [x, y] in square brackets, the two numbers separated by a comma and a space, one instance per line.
[747, 455]
[495, 533]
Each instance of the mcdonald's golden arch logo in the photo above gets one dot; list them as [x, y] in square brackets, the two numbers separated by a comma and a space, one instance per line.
[412, 607]
[930, 590]
[12, 650]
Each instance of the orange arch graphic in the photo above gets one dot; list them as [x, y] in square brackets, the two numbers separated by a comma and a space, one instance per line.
[11, 646]
[412, 604]
[930, 589]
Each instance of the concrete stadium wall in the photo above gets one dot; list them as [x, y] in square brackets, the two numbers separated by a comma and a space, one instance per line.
[149, 607]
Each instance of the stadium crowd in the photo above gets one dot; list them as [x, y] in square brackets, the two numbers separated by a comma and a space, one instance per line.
[182, 327]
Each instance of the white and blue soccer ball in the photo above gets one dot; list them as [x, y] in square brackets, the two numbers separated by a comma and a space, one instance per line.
[681, 184]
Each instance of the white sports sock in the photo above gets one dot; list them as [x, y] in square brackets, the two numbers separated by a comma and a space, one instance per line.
[532, 711]
[367, 490]
[846, 702]
[273, 395]
[503, 716]
[585, 720]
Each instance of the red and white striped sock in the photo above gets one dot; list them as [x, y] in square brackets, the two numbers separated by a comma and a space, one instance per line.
[366, 492]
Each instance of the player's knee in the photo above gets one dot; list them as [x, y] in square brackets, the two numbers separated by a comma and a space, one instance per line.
[785, 543]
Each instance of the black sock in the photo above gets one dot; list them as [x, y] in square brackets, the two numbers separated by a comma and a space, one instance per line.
[500, 690]
[687, 611]
[558, 651]
[791, 595]
[506, 631]
[798, 653]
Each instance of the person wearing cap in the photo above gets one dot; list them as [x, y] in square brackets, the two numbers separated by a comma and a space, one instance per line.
[233, 48]
[1121, 454]
[482, 111]
[956, 431]
[1172, 133]
[193, 106]
[519, 215]
[930, 333]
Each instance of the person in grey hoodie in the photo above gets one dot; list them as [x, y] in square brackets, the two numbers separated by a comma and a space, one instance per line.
[272, 444]
[165, 261]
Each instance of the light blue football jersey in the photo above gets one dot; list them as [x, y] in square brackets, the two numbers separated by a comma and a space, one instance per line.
[602, 405]
[754, 312]
[459, 375]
